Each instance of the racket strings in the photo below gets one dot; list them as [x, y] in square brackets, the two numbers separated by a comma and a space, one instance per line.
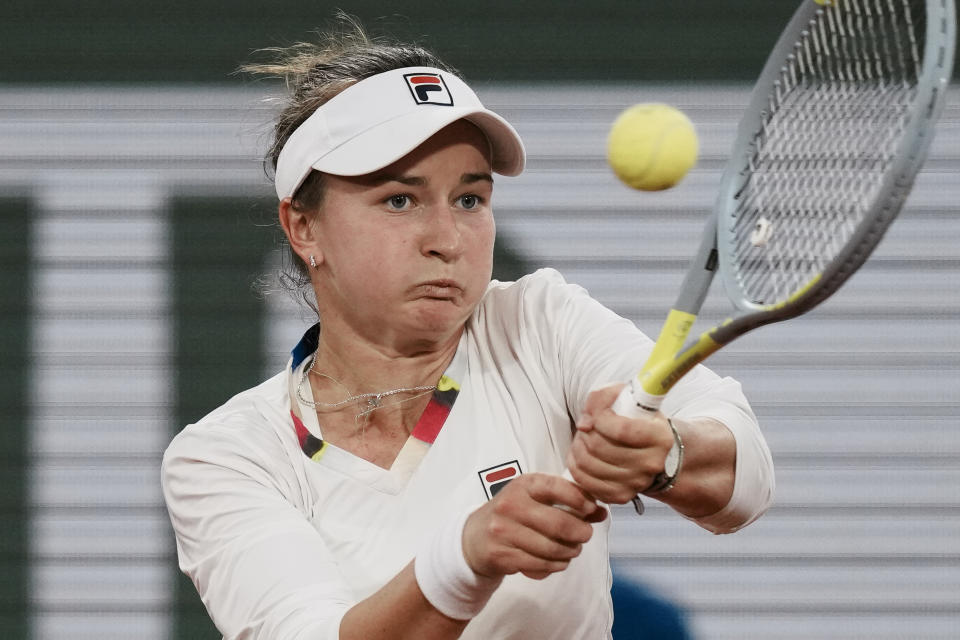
[834, 120]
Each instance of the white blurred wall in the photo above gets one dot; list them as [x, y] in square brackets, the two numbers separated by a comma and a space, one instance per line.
[859, 400]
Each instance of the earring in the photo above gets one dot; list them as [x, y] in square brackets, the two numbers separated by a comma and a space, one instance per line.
[313, 261]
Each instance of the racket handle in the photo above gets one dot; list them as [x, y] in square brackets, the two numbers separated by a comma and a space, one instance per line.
[628, 406]
[634, 402]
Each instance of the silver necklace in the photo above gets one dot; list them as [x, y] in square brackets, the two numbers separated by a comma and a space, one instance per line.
[373, 400]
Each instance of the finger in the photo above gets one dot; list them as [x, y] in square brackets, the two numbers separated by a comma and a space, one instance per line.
[585, 423]
[536, 575]
[598, 516]
[607, 490]
[495, 543]
[600, 479]
[515, 546]
[612, 463]
[556, 491]
[545, 504]
[608, 482]
[538, 570]
[648, 431]
[508, 560]
[596, 445]
[544, 547]
[554, 524]
[600, 399]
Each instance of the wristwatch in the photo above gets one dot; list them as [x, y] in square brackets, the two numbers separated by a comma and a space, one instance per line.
[665, 480]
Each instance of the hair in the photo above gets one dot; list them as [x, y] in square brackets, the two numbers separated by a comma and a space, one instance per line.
[313, 73]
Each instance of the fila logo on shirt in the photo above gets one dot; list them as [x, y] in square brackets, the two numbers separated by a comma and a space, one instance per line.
[428, 88]
[496, 478]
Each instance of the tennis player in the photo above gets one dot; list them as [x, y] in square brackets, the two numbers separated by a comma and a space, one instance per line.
[401, 478]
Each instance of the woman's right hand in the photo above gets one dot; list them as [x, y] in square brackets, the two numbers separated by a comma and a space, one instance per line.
[534, 526]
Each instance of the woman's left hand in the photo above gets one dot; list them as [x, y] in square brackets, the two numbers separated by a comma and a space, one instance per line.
[614, 458]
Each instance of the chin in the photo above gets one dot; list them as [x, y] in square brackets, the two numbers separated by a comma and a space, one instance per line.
[440, 318]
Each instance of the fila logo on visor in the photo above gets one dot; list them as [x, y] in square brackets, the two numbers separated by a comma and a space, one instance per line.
[496, 478]
[428, 88]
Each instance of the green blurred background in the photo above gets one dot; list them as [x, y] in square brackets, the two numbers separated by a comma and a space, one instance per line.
[180, 41]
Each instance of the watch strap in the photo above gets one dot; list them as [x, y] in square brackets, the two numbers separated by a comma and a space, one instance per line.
[663, 482]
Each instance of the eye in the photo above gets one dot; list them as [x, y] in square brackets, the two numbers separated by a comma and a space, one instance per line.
[399, 202]
[470, 201]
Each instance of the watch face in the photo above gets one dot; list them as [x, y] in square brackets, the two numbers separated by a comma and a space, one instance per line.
[672, 462]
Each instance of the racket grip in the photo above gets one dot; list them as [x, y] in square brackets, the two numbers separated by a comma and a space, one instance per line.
[624, 405]
[628, 406]
[634, 402]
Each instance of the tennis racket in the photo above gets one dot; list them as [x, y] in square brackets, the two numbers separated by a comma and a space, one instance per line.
[837, 128]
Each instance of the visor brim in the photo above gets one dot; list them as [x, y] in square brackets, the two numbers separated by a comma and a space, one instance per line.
[387, 142]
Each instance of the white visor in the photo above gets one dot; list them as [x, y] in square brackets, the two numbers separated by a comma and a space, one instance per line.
[380, 119]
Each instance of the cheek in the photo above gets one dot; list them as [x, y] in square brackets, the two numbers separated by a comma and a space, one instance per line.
[480, 258]
[485, 243]
[380, 268]
[358, 269]
[482, 233]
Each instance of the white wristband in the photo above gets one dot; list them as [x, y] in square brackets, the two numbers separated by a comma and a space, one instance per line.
[445, 578]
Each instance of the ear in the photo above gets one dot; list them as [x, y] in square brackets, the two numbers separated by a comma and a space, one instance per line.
[300, 234]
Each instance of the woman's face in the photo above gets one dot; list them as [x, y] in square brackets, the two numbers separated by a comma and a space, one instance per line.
[407, 252]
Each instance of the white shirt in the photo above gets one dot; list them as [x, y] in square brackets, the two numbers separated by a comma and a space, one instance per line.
[280, 545]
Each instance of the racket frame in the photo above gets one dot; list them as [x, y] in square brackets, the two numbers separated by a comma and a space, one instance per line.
[671, 358]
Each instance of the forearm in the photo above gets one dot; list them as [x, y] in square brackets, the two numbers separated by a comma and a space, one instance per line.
[705, 482]
[521, 530]
[398, 610]
[725, 479]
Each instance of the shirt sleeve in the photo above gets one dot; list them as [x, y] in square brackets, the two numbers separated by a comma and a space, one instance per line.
[589, 347]
[261, 569]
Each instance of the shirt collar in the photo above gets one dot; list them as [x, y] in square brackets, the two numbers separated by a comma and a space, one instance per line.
[306, 347]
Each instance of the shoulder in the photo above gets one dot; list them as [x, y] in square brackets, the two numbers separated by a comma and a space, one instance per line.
[545, 300]
[539, 280]
[250, 435]
[249, 416]
[512, 309]
[539, 292]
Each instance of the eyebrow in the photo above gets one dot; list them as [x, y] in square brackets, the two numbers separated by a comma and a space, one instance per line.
[413, 181]
[419, 181]
[470, 178]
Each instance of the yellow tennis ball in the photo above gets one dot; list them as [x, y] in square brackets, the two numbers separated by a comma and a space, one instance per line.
[652, 146]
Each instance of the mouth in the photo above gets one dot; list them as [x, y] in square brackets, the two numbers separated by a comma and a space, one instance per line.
[439, 289]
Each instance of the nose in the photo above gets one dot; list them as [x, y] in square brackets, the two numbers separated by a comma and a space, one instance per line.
[442, 237]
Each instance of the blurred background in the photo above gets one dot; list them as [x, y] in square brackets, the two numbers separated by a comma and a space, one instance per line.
[135, 218]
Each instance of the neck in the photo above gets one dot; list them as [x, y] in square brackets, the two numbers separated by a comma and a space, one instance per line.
[351, 367]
